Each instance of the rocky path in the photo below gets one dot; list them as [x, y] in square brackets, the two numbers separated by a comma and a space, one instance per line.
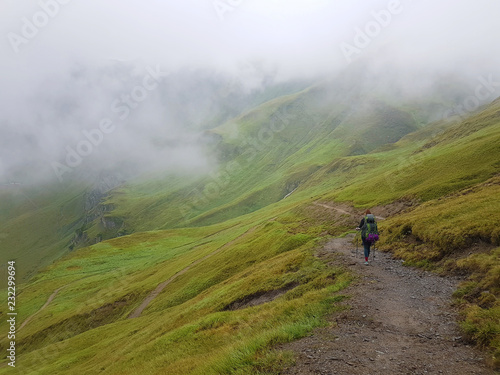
[398, 321]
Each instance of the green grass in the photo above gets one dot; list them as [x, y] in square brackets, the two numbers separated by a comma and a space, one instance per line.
[187, 329]
[265, 154]
[479, 299]
[38, 225]
[241, 239]
[449, 223]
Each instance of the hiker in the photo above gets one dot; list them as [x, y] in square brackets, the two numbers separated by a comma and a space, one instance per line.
[369, 232]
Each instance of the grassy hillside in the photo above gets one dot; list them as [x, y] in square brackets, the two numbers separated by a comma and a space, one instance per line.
[37, 225]
[459, 156]
[236, 248]
[264, 155]
[201, 323]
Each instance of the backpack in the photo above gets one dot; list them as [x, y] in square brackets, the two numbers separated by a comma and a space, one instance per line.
[369, 231]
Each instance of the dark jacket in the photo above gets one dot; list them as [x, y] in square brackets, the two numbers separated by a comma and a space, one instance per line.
[362, 223]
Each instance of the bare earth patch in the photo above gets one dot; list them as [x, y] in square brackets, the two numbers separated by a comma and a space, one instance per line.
[399, 320]
[259, 298]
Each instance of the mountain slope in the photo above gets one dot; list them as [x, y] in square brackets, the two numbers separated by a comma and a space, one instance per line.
[268, 152]
[264, 154]
[38, 227]
[241, 259]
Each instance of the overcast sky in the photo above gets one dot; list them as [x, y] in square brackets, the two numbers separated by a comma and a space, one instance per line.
[297, 34]
[47, 46]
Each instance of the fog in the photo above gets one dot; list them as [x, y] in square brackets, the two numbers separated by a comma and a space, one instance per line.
[90, 85]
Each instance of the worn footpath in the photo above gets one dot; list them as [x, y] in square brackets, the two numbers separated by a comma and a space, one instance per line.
[399, 320]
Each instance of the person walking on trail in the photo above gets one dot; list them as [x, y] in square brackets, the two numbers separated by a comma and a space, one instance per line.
[369, 232]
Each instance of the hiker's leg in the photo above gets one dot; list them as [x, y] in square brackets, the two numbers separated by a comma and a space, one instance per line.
[366, 245]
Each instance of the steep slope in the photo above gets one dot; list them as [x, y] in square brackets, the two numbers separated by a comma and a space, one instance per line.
[42, 223]
[199, 324]
[37, 227]
[241, 275]
[263, 155]
[266, 153]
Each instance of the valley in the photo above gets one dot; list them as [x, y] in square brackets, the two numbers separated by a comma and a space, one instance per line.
[209, 274]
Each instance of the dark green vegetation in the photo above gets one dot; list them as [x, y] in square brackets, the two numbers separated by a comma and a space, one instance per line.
[38, 224]
[251, 279]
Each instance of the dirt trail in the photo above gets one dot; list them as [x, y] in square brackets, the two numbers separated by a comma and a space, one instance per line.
[342, 211]
[138, 311]
[49, 300]
[398, 321]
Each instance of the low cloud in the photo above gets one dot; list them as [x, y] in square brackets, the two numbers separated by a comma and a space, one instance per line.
[68, 68]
